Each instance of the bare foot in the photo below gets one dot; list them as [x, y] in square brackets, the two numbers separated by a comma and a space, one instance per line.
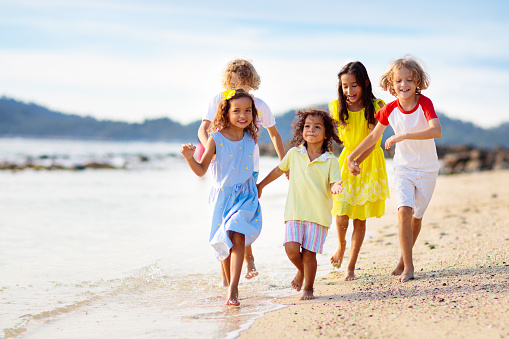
[337, 258]
[297, 281]
[251, 269]
[233, 297]
[232, 302]
[399, 269]
[406, 276]
[350, 275]
[307, 295]
[225, 282]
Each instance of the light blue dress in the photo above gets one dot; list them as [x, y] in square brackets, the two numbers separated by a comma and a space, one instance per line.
[233, 197]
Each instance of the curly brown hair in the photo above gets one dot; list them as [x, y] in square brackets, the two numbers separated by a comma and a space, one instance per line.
[420, 77]
[222, 117]
[330, 125]
[246, 72]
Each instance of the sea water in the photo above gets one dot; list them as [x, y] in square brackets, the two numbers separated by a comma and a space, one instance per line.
[124, 253]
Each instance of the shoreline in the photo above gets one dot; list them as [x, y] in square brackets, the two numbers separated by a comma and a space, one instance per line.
[461, 288]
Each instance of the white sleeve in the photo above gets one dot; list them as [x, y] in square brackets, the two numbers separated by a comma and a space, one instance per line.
[213, 104]
[265, 116]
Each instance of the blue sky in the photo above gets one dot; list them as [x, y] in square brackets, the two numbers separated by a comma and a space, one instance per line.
[135, 60]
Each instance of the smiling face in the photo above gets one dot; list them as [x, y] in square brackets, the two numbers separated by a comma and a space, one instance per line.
[241, 112]
[236, 83]
[352, 91]
[314, 130]
[404, 85]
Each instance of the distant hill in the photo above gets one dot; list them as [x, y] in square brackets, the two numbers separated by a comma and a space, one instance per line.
[31, 120]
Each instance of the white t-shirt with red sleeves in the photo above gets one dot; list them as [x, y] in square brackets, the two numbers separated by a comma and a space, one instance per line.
[412, 154]
[265, 119]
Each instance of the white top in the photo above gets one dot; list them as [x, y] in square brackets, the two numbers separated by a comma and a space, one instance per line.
[412, 154]
[265, 119]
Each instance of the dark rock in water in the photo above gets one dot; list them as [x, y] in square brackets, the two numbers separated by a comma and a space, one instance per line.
[97, 165]
[468, 159]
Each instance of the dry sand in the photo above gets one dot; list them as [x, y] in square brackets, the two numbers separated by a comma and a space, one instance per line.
[461, 288]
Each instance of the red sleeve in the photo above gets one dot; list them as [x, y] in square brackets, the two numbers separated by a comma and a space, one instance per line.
[383, 115]
[427, 108]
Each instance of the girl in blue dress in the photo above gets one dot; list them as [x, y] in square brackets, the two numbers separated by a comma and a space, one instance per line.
[236, 212]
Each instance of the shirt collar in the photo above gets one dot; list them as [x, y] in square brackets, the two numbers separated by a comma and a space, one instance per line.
[323, 157]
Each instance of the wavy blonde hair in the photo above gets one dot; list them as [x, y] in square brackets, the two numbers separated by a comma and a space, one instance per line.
[246, 72]
[222, 117]
[420, 77]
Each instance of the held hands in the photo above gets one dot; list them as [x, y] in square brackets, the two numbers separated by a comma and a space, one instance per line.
[187, 151]
[353, 166]
[259, 190]
[337, 187]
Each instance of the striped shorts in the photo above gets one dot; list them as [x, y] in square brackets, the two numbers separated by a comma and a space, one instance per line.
[309, 235]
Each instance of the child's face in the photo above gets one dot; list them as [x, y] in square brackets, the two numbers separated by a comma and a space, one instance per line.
[314, 130]
[351, 89]
[404, 84]
[236, 84]
[234, 80]
[241, 112]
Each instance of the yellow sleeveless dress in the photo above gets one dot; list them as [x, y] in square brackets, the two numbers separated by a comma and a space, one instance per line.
[363, 195]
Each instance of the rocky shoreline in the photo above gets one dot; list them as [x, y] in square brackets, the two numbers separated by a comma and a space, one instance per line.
[454, 159]
[65, 162]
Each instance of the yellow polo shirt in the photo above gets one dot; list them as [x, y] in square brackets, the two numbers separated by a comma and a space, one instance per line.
[309, 196]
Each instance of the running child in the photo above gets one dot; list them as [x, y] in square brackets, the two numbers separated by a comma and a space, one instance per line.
[241, 74]
[364, 195]
[236, 212]
[415, 124]
[314, 176]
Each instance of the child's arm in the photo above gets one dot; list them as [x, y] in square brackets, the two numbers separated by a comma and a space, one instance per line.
[278, 145]
[369, 141]
[203, 133]
[277, 141]
[336, 187]
[273, 175]
[379, 105]
[199, 168]
[366, 153]
[434, 131]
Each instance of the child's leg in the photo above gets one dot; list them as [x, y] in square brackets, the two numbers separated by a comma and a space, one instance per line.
[406, 240]
[310, 265]
[293, 252]
[236, 260]
[416, 229]
[341, 225]
[359, 230]
[225, 272]
[250, 265]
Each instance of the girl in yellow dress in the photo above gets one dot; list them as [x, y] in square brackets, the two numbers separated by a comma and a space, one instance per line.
[364, 195]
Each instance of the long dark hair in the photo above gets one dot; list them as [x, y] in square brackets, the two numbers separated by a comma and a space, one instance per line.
[361, 75]
[331, 133]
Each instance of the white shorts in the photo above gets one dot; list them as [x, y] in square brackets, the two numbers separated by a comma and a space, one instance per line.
[414, 189]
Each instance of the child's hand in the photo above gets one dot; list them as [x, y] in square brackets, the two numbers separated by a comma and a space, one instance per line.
[187, 151]
[337, 187]
[259, 190]
[393, 140]
[353, 167]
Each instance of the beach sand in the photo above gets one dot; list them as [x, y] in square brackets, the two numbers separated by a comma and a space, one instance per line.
[461, 288]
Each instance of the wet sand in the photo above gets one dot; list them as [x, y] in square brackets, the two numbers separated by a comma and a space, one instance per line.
[461, 285]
